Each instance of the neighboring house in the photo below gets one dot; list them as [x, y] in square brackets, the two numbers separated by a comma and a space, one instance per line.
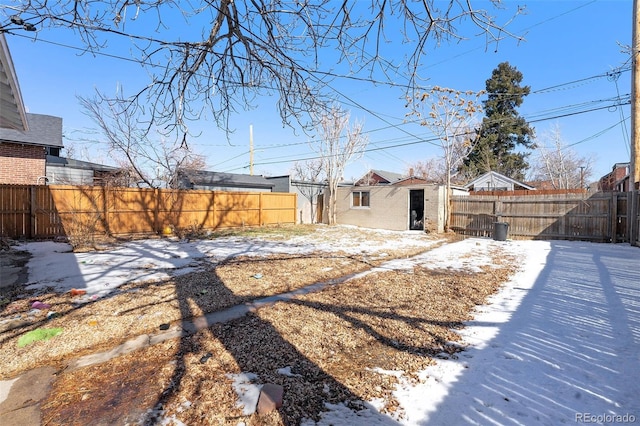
[23, 152]
[216, 181]
[412, 180]
[30, 144]
[494, 181]
[542, 185]
[66, 171]
[309, 196]
[379, 177]
[617, 179]
[12, 111]
[24, 137]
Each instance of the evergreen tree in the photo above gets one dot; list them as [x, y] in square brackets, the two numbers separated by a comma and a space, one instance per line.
[502, 129]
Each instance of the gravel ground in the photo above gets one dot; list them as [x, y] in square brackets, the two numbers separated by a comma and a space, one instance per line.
[345, 344]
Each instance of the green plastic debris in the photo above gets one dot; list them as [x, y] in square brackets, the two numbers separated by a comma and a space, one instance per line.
[38, 334]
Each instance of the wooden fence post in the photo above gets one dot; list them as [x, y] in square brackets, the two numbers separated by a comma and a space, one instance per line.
[105, 208]
[214, 214]
[33, 225]
[632, 216]
[156, 212]
[613, 219]
[260, 209]
[497, 210]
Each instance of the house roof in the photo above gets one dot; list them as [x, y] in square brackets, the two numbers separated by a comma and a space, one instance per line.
[12, 111]
[411, 180]
[298, 181]
[495, 176]
[78, 164]
[387, 178]
[390, 177]
[206, 178]
[44, 130]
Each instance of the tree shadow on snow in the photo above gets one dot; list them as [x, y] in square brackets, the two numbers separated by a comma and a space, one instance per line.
[570, 347]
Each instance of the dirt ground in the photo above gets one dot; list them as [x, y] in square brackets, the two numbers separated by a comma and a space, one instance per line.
[334, 344]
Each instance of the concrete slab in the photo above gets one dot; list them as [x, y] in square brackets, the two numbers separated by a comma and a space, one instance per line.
[134, 344]
[13, 268]
[23, 395]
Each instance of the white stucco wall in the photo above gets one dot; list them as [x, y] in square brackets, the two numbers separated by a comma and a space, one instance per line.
[389, 207]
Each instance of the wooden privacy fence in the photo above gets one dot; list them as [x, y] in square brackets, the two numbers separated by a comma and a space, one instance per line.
[38, 211]
[599, 217]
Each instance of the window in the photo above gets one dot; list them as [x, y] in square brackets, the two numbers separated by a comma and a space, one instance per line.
[360, 199]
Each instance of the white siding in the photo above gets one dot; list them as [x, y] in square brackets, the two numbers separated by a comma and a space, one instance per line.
[68, 176]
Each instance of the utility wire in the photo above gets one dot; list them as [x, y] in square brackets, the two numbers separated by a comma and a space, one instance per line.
[354, 103]
[625, 131]
[280, 160]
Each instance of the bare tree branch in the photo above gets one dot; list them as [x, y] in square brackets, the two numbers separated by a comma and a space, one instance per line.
[449, 114]
[339, 144]
[236, 51]
[559, 165]
[311, 174]
[154, 162]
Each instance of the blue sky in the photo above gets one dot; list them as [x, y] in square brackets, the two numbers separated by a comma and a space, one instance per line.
[570, 51]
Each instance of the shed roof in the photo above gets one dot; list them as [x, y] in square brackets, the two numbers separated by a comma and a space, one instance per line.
[390, 177]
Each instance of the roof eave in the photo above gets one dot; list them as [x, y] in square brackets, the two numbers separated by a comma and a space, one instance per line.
[14, 115]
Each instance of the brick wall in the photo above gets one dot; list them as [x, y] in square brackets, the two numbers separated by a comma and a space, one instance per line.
[608, 182]
[21, 164]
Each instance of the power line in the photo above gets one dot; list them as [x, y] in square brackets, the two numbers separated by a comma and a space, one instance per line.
[280, 160]
[596, 135]
[398, 126]
[625, 132]
[574, 82]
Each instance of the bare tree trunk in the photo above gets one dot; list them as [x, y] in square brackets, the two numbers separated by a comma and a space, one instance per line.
[338, 145]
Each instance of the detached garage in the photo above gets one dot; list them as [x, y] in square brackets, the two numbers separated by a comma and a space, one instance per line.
[393, 207]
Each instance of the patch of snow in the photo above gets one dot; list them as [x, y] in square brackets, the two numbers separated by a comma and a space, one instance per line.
[561, 339]
[248, 392]
[55, 265]
[557, 344]
[286, 371]
[5, 387]
[340, 414]
[378, 403]
[157, 416]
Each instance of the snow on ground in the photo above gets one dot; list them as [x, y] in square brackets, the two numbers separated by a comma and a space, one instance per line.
[559, 344]
[99, 272]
